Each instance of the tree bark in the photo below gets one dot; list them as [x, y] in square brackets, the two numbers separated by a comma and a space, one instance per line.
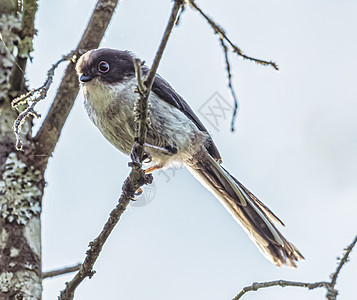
[21, 184]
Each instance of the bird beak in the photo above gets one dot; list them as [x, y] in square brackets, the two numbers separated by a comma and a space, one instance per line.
[85, 78]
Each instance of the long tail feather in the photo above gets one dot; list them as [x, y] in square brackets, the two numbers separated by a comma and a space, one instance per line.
[255, 218]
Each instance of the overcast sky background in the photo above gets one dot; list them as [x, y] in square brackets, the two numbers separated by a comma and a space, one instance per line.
[295, 148]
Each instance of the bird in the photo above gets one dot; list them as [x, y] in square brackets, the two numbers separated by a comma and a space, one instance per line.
[175, 137]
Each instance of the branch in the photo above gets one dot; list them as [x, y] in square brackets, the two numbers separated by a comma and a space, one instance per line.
[223, 37]
[32, 98]
[50, 131]
[17, 80]
[282, 283]
[219, 30]
[135, 180]
[229, 76]
[329, 286]
[344, 260]
[137, 176]
[145, 87]
[175, 9]
[61, 271]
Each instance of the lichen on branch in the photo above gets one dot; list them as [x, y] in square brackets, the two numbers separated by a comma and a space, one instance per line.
[10, 25]
[20, 195]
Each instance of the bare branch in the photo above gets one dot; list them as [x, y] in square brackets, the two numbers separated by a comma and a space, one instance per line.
[32, 98]
[219, 30]
[43, 89]
[135, 180]
[230, 85]
[344, 260]
[224, 38]
[144, 91]
[61, 271]
[50, 131]
[283, 283]
[175, 9]
[137, 176]
[329, 286]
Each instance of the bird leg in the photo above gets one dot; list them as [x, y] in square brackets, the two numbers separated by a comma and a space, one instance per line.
[152, 169]
[147, 158]
[149, 170]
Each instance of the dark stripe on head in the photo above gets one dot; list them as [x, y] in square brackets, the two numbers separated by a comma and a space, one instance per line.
[120, 64]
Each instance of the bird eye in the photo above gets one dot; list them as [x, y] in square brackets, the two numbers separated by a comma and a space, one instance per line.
[103, 67]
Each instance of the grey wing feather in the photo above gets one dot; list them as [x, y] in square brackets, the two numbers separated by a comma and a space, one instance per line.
[168, 94]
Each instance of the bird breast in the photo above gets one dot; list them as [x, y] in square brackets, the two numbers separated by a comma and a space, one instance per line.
[111, 107]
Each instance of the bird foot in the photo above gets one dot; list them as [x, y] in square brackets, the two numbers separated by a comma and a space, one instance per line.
[138, 192]
[147, 157]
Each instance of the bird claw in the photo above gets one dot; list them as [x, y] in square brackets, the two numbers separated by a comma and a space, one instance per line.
[133, 155]
[139, 192]
[147, 157]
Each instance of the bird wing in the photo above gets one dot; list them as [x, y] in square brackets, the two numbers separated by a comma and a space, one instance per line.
[164, 90]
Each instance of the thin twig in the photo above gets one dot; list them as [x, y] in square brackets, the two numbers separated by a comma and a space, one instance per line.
[175, 9]
[282, 283]
[224, 38]
[219, 30]
[135, 180]
[329, 286]
[61, 271]
[344, 260]
[144, 91]
[32, 98]
[137, 176]
[230, 85]
[43, 89]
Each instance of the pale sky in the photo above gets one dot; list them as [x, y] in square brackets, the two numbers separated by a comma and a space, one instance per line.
[295, 148]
